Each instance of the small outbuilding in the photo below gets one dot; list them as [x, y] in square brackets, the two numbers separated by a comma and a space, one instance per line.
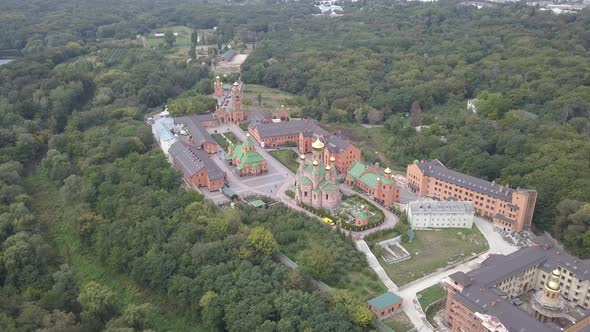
[385, 305]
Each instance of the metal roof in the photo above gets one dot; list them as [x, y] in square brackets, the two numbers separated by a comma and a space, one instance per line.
[384, 300]
[432, 206]
[191, 160]
[195, 128]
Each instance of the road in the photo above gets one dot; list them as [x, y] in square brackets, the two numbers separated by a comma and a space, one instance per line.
[408, 292]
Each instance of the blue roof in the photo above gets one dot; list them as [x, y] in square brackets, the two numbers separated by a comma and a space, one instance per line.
[162, 127]
[385, 300]
[229, 53]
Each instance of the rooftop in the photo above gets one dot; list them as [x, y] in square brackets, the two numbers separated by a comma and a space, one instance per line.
[437, 170]
[385, 300]
[195, 129]
[367, 175]
[480, 294]
[191, 160]
[432, 206]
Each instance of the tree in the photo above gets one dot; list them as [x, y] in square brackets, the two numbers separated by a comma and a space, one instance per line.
[352, 307]
[169, 39]
[318, 262]
[211, 310]
[192, 53]
[194, 38]
[137, 316]
[416, 114]
[492, 105]
[262, 242]
[98, 301]
[259, 97]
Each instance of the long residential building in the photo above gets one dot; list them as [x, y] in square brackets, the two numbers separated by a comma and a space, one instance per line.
[440, 214]
[196, 167]
[194, 128]
[536, 289]
[509, 209]
[303, 133]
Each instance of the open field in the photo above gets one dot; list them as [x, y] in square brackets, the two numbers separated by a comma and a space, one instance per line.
[430, 295]
[271, 99]
[286, 157]
[399, 322]
[433, 250]
[366, 285]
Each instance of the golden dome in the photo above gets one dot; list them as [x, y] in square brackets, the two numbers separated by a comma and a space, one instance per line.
[318, 145]
[332, 159]
[328, 168]
[217, 77]
[378, 179]
[247, 134]
[556, 273]
[302, 157]
[553, 285]
[315, 163]
[387, 171]
[236, 83]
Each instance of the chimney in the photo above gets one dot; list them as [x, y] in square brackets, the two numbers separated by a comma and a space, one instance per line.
[494, 303]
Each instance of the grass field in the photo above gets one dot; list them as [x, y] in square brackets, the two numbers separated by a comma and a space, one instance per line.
[399, 322]
[433, 250]
[271, 99]
[431, 295]
[180, 41]
[366, 285]
[48, 207]
[286, 157]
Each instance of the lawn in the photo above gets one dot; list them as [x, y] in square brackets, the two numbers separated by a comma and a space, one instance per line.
[232, 137]
[180, 41]
[271, 99]
[399, 322]
[366, 285]
[286, 157]
[433, 250]
[221, 141]
[48, 207]
[431, 295]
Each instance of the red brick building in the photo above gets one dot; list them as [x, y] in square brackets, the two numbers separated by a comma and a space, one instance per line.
[385, 305]
[196, 167]
[374, 181]
[193, 127]
[229, 102]
[303, 133]
[509, 209]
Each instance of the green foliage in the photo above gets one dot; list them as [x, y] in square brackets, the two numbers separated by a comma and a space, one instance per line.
[169, 39]
[191, 105]
[97, 300]
[492, 105]
[354, 308]
[262, 241]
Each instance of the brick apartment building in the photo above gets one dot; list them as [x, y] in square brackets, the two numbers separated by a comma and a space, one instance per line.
[304, 133]
[509, 209]
[196, 167]
[376, 182]
[535, 289]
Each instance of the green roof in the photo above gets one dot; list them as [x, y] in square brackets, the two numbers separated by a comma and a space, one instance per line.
[257, 203]
[245, 158]
[357, 169]
[226, 86]
[240, 167]
[384, 301]
[359, 172]
[321, 169]
[304, 180]
[362, 215]
[228, 192]
[248, 142]
[330, 186]
[255, 165]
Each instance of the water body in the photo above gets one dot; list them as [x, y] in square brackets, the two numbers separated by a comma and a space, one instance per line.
[5, 61]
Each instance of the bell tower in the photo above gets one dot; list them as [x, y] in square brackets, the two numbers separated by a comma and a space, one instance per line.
[218, 85]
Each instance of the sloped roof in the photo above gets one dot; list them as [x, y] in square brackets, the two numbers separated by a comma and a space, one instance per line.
[385, 300]
[191, 160]
[363, 173]
[163, 127]
[195, 129]
[229, 53]
[437, 170]
[433, 206]
[246, 157]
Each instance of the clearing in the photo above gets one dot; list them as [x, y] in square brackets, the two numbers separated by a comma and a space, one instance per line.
[399, 322]
[271, 99]
[286, 157]
[432, 250]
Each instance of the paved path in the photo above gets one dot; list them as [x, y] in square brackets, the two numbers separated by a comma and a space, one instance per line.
[408, 292]
[390, 218]
[363, 247]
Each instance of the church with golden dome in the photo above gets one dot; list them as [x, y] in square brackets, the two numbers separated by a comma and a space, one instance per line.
[315, 182]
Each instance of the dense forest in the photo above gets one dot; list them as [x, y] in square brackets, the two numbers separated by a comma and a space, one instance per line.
[97, 231]
[528, 69]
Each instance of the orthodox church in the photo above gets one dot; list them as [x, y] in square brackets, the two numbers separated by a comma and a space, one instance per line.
[316, 182]
[229, 102]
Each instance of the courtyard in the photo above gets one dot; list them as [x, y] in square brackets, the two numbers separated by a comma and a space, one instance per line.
[434, 250]
[286, 157]
[350, 207]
